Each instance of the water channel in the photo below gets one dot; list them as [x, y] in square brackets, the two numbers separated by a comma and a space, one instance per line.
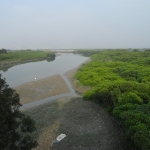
[27, 72]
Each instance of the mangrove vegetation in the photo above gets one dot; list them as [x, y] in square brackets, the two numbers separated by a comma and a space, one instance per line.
[119, 80]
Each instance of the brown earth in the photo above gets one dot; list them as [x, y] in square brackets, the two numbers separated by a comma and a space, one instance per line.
[40, 89]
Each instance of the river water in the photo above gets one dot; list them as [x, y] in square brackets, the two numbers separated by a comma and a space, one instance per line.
[22, 73]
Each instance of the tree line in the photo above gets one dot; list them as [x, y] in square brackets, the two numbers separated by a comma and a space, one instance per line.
[3, 51]
[25, 55]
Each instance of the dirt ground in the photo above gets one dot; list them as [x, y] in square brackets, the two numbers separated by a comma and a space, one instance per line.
[87, 126]
[40, 89]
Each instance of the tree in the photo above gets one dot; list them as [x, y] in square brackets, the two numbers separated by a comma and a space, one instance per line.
[15, 127]
[51, 56]
[3, 51]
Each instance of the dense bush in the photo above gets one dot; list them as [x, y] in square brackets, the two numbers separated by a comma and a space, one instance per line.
[120, 82]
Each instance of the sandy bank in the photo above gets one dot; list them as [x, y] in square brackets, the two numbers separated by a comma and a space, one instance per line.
[40, 89]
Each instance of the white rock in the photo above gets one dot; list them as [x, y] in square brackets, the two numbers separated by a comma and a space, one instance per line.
[59, 138]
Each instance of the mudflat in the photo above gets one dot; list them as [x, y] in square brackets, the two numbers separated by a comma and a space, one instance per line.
[40, 89]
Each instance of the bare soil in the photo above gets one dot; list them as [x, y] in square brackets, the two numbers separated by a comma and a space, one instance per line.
[40, 89]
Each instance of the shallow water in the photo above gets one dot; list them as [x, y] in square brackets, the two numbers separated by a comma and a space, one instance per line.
[22, 73]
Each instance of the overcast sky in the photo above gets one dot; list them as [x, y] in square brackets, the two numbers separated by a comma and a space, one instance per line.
[72, 24]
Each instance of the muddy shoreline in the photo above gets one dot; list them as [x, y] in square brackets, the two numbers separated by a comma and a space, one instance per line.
[41, 89]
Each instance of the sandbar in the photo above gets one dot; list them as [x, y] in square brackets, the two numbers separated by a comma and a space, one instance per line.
[42, 88]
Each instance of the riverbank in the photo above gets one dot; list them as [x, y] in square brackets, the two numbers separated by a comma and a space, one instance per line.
[4, 64]
[80, 89]
[24, 56]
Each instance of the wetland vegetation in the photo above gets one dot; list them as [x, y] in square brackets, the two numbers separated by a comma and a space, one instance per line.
[120, 82]
[8, 58]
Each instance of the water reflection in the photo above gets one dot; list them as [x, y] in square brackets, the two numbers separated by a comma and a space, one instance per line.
[5, 69]
[50, 59]
[27, 72]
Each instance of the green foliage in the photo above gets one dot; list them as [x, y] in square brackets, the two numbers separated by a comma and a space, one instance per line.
[125, 107]
[25, 55]
[123, 56]
[51, 56]
[87, 52]
[15, 127]
[144, 108]
[120, 81]
[139, 135]
[130, 97]
[3, 51]
[136, 120]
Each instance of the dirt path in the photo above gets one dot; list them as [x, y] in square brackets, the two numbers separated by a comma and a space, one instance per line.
[87, 126]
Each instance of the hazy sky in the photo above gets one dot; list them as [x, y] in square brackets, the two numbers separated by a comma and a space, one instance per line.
[73, 24]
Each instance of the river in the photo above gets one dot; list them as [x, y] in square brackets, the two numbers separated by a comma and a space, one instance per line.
[27, 72]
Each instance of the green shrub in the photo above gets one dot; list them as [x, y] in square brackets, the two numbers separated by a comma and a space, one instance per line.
[129, 97]
[139, 136]
[120, 81]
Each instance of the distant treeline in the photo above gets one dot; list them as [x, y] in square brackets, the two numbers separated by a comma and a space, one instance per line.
[120, 82]
[87, 52]
[3, 51]
[25, 55]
